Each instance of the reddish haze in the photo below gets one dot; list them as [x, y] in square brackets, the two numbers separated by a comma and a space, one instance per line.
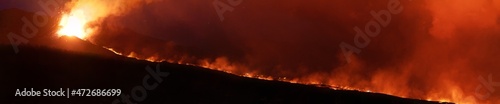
[433, 49]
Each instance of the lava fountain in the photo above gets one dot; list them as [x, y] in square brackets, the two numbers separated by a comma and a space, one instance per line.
[84, 16]
[75, 24]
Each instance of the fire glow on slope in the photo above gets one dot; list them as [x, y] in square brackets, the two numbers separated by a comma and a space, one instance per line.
[222, 65]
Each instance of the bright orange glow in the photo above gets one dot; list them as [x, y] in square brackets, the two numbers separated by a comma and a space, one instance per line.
[84, 13]
[74, 24]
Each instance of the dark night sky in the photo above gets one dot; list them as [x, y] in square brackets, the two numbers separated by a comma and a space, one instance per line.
[28, 5]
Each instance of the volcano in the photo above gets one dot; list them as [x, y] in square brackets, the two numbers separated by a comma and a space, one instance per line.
[49, 62]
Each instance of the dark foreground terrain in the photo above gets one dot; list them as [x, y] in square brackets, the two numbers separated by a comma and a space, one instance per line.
[45, 68]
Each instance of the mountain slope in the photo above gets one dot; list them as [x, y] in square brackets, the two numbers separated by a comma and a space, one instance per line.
[39, 68]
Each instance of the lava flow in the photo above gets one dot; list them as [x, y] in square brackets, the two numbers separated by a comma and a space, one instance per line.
[439, 50]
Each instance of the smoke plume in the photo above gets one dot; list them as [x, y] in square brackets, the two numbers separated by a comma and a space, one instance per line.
[432, 49]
